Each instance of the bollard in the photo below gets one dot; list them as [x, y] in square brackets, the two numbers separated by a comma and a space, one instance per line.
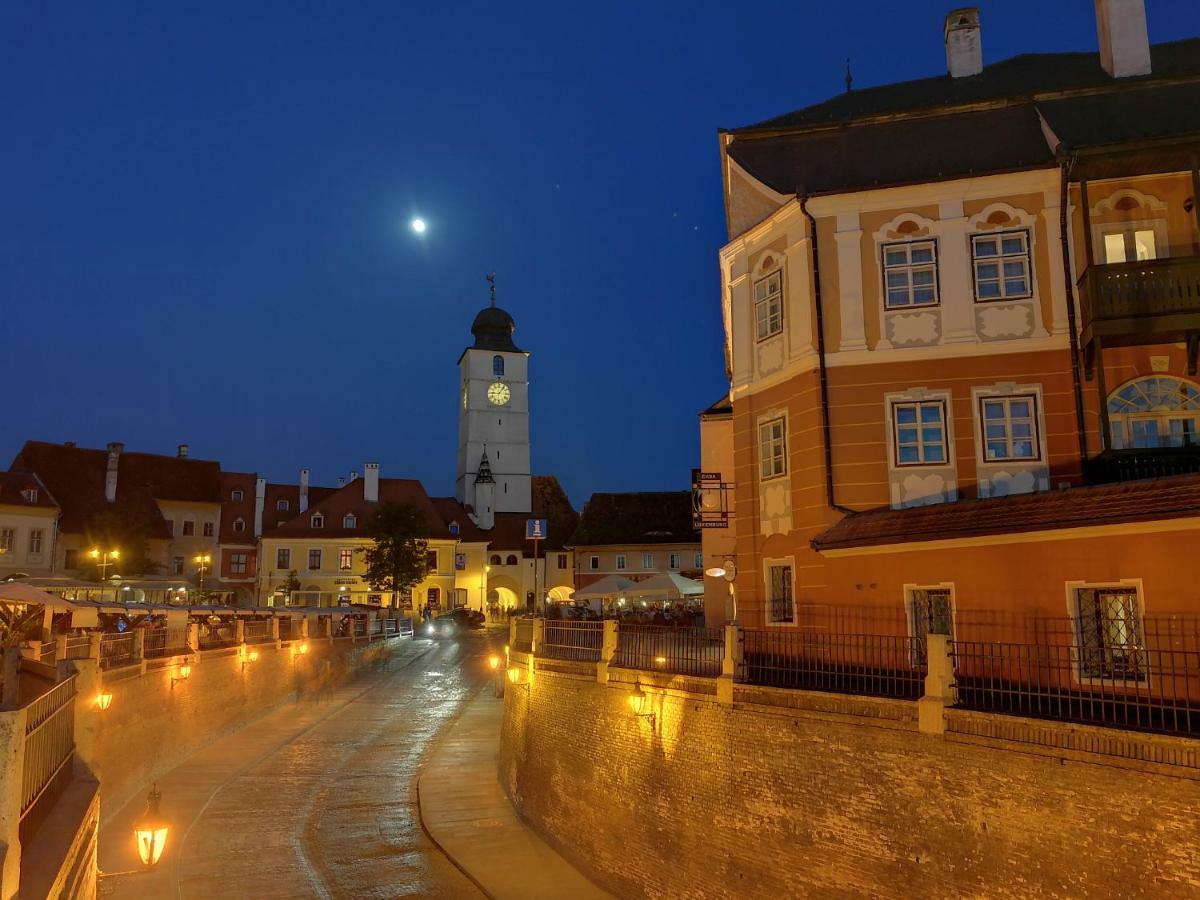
[731, 664]
[608, 649]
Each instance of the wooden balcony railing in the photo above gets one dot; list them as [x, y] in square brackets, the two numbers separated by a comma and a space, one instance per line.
[1140, 302]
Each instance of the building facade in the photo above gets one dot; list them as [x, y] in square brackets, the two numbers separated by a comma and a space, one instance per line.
[961, 331]
[28, 526]
[636, 536]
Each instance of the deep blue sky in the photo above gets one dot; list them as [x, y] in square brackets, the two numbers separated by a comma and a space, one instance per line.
[203, 221]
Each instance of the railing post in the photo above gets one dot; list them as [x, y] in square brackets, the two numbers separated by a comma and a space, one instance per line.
[275, 632]
[60, 648]
[239, 631]
[608, 649]
[304, 629]
[94, 646]
[193, 638]
[939, 685]
[537, 635]
[512, 632]
[139, 648]
[731, 664]
[12, 779]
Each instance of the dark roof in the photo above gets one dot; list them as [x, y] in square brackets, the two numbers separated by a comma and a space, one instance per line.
[76, 476]
[493, 329]
[550, 502]
[273, 517]
[1134, 501]
[232, 510]
[936, 129]
[648, 517]
[349, 500]
[451, 511]
[722, 407]
[1024, 76]
[17, 487]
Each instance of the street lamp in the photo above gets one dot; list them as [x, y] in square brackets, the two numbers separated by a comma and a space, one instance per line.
[482, 588]
[638, 704]
[150, 831]
[103, 700]
[104, 557]
[202, 560]
[728, 571]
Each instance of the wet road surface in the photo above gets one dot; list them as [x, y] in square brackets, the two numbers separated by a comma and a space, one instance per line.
[330, 811]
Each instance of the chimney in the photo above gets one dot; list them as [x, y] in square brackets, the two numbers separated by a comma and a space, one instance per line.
[260, 503]
[341, 482]
[110, 476]
[181, 451]
[353, 475]
[68, 443]
[303, 490]
[1124, 39]
[371, 482]
[964, 48]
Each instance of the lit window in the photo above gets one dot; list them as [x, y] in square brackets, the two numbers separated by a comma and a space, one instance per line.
[239, 524]
[314, 560]
[346, 559]
[349, 521]
[8, 539]
[768, 305]
[1129, 245]
[283, 558]
[282, 505]
[920, 429]
[647, 560]
[318, 521]
[208, 529]
[780, 605]
[1009, 428]
[772, 446]
[1155, 412]
[237, 563]
[1108, 620]
[910, 274]
[237, 495]
[189, 527]
[620, 562]
[498, 366]
[1001, 265]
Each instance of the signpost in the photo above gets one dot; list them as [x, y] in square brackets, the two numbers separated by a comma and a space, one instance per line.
[536, 530]
[710, 500]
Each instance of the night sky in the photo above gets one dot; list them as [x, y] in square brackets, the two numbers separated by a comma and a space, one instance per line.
[205, 214]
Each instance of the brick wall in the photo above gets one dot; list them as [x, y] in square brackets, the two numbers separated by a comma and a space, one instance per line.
[840, 797]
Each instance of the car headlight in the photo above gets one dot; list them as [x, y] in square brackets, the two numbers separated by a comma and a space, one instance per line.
[430, 628]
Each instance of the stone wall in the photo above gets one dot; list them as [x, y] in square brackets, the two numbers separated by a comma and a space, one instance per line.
[154, 724]
[794, 794]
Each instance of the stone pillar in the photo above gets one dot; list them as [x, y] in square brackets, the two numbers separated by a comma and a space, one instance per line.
[275, 632]
[139, 648]
[940, 691]
[304, 628]
[539, 632]
[60, 648]
[12, 768]
[731, 664]
[88, 684]
[325, 626]
[608, 649]
[193, 637]
[954, 274]
[239, 631]
[512, 632]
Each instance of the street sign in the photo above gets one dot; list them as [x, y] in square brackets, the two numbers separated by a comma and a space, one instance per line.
[710, 500]
[535, 529]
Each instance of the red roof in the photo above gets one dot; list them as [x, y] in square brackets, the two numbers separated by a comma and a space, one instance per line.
[348, 500]
[24, 489]
[1109, 504]
[233, 510]
[449, 510]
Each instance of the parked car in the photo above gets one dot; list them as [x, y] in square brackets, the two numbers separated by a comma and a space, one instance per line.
[467, 618]
[441, 627]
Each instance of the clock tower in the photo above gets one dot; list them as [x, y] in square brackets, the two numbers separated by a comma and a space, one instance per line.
[493, 419]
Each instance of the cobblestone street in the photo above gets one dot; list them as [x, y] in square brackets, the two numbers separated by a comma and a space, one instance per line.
[317, 799]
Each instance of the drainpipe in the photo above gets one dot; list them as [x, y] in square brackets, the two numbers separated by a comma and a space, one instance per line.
[823, 373]
[1064, 199]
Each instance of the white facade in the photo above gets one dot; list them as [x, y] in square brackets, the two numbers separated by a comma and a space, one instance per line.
[494, 415]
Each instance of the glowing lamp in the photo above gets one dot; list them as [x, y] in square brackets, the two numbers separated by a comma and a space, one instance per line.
[493, 662]
[715, 572]
[150, 831]
[115, 554]
[302, 649]
[185, 671]
[252, 656]
[103, 700]
[514, 675]
[660, 660]
[637, 702]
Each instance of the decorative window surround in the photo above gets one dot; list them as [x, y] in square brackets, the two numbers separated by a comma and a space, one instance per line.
[1135, 642]
[1152, 218]
[1002, 477]
[925, 484]
[1018, 317]
[774, 494]
[769, 344]
[919, 326]
[786, 570]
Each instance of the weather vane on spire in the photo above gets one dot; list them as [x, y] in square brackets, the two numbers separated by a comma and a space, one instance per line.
[491, 277]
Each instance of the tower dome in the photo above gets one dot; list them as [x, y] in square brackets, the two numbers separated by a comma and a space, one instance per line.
[493, 329]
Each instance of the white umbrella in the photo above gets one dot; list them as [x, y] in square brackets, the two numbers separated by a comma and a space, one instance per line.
[608, 586]
[667, 584]
[15, 592]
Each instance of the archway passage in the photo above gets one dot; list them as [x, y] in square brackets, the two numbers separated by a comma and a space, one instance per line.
[560, 594]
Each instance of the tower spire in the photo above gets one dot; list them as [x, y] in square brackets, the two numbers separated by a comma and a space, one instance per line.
[491, 277]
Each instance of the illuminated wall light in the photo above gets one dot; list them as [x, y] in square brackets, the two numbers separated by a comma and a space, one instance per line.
[103, 700]
[493, 662]
[150, 831]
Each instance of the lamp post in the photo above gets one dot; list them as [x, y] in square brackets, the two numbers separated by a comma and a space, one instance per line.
[202, 560]
[104, 557]
[728, 571]
[150, 831]
[483, 588]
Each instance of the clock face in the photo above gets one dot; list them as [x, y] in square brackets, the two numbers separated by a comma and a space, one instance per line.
[498, 393]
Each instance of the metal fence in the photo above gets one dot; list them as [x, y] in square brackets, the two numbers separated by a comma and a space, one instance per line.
[874, 665]
[49, 749]
[581, 641]
[406, 627]
[162, 641]
[681, 651]
[257, 631]
[117, 650]
[214, 637]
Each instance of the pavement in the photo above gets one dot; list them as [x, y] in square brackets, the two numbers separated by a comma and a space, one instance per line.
[471, 820]
[317, 798]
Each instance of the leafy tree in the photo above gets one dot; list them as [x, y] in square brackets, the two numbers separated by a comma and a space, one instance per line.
[126, 530]
[398, 556]
[291, 584]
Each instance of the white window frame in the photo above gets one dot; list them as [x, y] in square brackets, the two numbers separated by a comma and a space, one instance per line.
[8, 539]
[768, 305]
[673, 561]
[894, 405]
[36, 537]
[1034, 400]
[189, 528]
[239, 524]
[350, 521]
[698, 561]
[283, 505]
[1025, 256]
[768, 601]
[910, 268]
[316, 521]
[621, 562]
[234, 563]
[209, 529]
[1073, 587]
[773, 448]
[647, 560]
[594, 564]
[345, 559]
[237, 495]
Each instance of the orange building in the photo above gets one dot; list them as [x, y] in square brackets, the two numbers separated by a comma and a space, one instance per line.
[962, 317]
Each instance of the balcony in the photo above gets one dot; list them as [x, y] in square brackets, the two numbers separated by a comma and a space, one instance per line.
[1134, 465]
[1148, 302]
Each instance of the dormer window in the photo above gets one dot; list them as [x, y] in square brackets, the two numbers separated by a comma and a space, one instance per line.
[239, 524]
[281, 505]
[350, 521]
[30, 495]
[237, 496]
[454, 528]
[317, 521]
[498, 366]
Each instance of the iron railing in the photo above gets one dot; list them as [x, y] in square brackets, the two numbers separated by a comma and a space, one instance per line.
[117, 650]
[49, 749]
[874, 665]
[214, 637]
[524, 641]
[376, 628]
[257, 631]
[359, 627]
[580, 641]
[680, 651]
[288, 630]
[406, 627]
[163, 640]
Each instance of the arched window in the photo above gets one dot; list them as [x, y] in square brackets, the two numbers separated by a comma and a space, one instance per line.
[512, 560]
[495, 560]
[1158, 411]
[498, 366]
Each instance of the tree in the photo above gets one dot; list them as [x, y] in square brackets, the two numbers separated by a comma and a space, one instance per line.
[119, 528]
[291, 584]
[398, 556]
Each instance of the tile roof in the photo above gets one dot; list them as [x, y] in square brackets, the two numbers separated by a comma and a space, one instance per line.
[349, 500]
[232, 510]
[17, 487]
[648, 517]
[274, 517]
[1109, 504]
[450, 510]
[550, 502]
[724, 406]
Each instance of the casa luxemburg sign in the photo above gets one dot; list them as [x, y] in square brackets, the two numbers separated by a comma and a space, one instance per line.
[710, 500]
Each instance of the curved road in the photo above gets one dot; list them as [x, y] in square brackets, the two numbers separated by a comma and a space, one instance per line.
[326, 809]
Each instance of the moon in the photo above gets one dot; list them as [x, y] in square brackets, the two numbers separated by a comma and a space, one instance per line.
[418, 225]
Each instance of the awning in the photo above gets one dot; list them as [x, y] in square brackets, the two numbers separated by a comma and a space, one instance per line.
[671, 585]
[608, 586]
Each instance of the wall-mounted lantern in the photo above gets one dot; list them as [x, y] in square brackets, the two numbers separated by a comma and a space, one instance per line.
[248, 656]
[103, 700]
[183, 673]
[639, 704]
[150, 831]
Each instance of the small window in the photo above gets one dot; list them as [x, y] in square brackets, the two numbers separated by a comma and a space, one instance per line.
[494, 560]
[283, 558]
[237, 563]
[434, 597]
[346, 559]
[1009, 428]
[910, 274]
[772, 445]
[35, 541]
[673, 561]
[647, 560]
[562, 560]
[698, 561]
[431, 558]
[768, 305]
[318, 521]
[920, 433]
[282, 505]
[30, 495]
[1001, 266]
[8, 539]
[208, 529]
[498, 366]
[1109, 625]
[239, 524]
[189, 527]
[594, 563]
[314, 560]
[177, 565]
[620, 562]
[781, 607]
[512, 560]
[349, 521]
[454, 528]
[237, 495]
